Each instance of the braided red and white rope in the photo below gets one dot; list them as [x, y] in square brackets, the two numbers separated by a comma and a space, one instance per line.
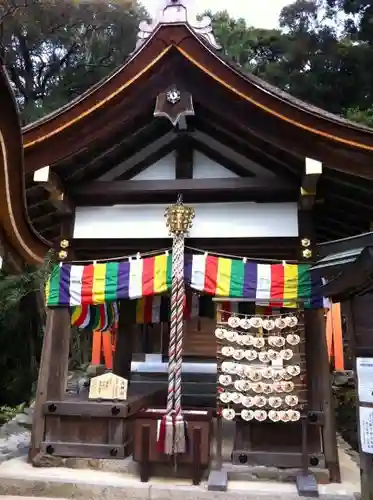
[179, 438]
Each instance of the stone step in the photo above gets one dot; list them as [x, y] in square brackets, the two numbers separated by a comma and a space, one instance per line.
[20, 480]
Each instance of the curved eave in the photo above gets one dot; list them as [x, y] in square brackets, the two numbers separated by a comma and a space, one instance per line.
[268, 99]
[13, 215]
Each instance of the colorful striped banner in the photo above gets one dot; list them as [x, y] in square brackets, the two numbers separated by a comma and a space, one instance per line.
[275, 285]
[148, 310]
[156, 309]
[75, 285]
[100, 317]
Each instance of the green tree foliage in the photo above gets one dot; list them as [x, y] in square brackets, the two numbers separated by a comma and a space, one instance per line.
[316, 55]
[55, 50]
[22, 319]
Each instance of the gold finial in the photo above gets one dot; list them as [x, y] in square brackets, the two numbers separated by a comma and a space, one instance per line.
[179, 217]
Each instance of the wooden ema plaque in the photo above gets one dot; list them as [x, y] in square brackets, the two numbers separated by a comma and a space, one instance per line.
[108, 387]
[261, 367]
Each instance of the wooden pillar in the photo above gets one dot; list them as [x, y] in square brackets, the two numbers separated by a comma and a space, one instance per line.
[360, 336]
[318, 373]
[318, 369]
[53, 368]
[54, 362]
[124, 348]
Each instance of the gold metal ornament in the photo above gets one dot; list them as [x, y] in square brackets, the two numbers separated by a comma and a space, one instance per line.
[307, 253]
[64, 244]
[306, 242]
[62, 254]
[179, 217]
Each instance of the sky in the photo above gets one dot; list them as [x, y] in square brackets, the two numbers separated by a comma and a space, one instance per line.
[259, 14]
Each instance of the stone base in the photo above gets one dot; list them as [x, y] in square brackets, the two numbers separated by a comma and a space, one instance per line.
[21, 479]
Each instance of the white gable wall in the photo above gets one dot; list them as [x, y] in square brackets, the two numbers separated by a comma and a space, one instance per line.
[205, 168]
[163, 169]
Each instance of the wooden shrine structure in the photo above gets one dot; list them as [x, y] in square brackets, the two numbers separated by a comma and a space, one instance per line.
[269, 178]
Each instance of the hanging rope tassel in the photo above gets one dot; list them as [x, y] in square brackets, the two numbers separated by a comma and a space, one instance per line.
[179, 439]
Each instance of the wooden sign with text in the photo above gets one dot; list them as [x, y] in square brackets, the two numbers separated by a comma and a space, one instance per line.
[109, 387]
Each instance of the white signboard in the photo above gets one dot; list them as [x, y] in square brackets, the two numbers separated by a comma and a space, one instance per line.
[108, 386]
[366, 429]
[364, 372]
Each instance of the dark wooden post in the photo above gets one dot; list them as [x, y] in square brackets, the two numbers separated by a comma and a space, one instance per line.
[124, 348]
[320, 392]
[360, 336]
[53, 368]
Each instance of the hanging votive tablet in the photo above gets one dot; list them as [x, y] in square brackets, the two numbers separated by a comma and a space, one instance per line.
[267, 388]
[225, 380]
[280, 323]
[238, 354]
[291, 321]
[230, 335]
[258, 342]
[284, 416]
[227, 350]
[273, 415]
[291, 400]
[258, 388]
[247, 415]
[248, 401]
[255, 375]
[256, 322]
[250, 355]
[294, 415]
[275, 402]
[264, 357]
[248, 340]
[279, 341]
[286, 354]
[234, 322]
[228, 413]
[267, 373]
[287, 386]
[268, 324]
[220, 333]
[236, 397]
[245, 323]
[293, 339]
[293, 370]
[225, 397]
[260, 415]
[260, 401]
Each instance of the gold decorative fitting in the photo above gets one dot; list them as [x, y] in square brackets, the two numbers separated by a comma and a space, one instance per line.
[64, 244]
[179, 217]
[307, 253]
[306, 242]
[62, 254]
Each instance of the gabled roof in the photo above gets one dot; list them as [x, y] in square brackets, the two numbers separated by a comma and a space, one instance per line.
[113, 121]
[165, 42]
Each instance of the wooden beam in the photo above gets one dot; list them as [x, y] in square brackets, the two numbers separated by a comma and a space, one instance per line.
[100, 193]
[57, 194]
